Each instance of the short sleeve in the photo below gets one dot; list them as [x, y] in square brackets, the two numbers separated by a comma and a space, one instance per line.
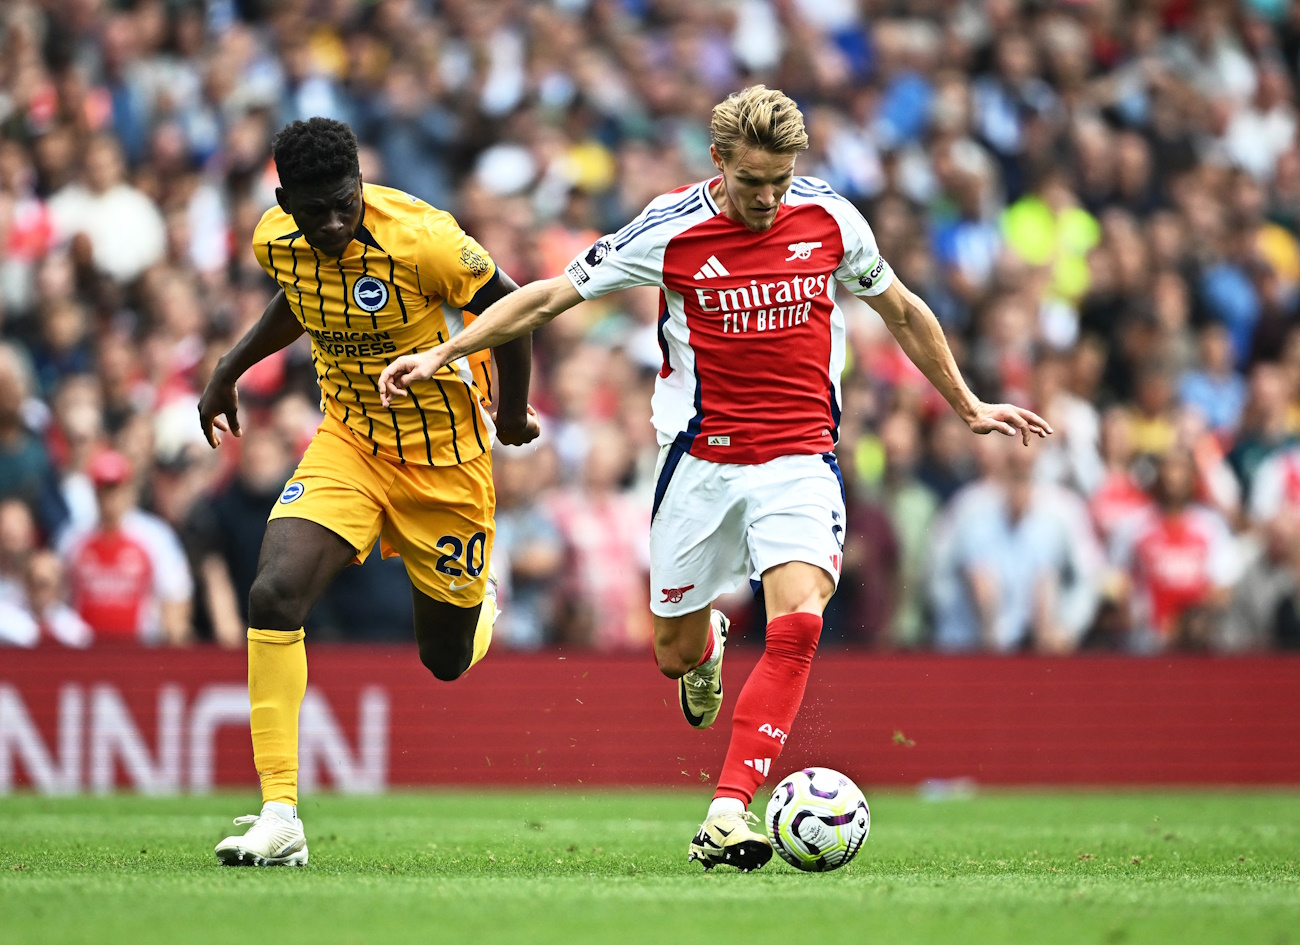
[171, 570]
[261, 251]
[452, 263]
[1268, 493]
[274, 226]
[862, 270]
[1124, 540]
[1224, 563]
[631, 257]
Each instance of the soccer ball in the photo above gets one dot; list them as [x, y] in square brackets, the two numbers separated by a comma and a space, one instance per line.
[817, 819]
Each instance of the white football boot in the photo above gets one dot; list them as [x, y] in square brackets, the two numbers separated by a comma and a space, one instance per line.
[700, 690]
[728, 839]
[490, 592]
[271, 841]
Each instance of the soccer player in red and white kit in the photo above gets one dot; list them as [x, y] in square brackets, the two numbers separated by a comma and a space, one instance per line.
[747, 409]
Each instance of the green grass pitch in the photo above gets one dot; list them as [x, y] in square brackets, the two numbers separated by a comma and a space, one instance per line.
[609, 866]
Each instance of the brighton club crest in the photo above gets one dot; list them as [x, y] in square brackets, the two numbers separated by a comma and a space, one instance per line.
[370, 294]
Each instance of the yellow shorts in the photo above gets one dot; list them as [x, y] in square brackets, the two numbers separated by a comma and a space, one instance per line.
[439, 519]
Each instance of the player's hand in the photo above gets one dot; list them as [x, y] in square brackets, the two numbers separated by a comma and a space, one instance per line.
[1008, 419]
[517, 431]
[409, 368]
[219, 409]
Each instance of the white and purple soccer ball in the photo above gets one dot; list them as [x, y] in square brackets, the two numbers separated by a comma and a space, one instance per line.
[817, 819]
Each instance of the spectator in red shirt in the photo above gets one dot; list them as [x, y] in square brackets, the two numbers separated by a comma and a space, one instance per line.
[1180, 560]
[130, 580]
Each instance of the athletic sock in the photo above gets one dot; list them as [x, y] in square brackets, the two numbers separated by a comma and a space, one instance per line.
[277, 681]
[284, 811]
[713, 646]
[722, 805]
[487, 614]
[768, 704]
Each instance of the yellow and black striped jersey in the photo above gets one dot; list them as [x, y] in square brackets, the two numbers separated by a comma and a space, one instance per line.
[398, 289]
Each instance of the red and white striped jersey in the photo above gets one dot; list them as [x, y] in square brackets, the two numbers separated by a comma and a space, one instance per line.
[752, 340]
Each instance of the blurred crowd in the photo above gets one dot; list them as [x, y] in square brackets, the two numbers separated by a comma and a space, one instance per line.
[1099, 199]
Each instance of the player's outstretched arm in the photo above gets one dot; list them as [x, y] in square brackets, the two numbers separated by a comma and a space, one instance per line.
[517, 314]
[516, 422]
[277, 328]
[910, 321]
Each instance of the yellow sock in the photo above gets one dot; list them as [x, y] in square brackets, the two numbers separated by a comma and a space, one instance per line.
[483, 632]
[277, 681]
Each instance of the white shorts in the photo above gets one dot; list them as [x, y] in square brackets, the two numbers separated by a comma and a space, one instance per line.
[717, 525]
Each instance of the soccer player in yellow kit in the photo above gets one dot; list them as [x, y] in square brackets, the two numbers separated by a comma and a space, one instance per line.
[369, 273]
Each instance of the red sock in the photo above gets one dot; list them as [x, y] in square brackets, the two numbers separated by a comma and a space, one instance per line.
[708, 648]
[768, 704]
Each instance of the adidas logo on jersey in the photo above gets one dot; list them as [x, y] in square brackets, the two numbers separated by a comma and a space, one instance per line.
[761, 765]
[711, 269]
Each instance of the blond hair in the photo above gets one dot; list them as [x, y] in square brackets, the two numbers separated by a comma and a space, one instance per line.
[758, 117]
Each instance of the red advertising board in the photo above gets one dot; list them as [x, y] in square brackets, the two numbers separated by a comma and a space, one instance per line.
[176, 720]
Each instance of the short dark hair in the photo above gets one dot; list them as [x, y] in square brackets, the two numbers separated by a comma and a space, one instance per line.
[316, 151]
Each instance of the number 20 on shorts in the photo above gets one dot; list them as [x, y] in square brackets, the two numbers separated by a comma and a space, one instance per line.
[474, 552]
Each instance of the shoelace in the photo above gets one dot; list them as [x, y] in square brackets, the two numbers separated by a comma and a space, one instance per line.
[749, 817]
[247, 819]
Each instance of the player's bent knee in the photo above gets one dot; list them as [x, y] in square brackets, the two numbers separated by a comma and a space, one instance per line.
[445, 670]
[447, 662]
[444, 635]
[671, 667]
[679, 642]
[672, 663]
[274, 604]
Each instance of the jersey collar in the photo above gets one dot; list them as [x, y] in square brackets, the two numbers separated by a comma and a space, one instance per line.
[707, 188]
